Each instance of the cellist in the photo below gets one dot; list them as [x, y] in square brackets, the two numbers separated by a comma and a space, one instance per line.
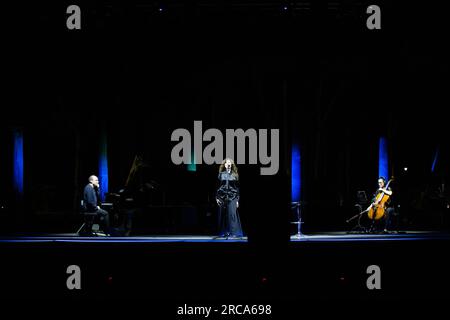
[389, 210]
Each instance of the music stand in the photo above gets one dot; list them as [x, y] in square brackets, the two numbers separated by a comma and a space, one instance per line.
[361, 200]
[361, 197]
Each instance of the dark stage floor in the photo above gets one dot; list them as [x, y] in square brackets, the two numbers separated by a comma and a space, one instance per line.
[331, 237]
[183, 269]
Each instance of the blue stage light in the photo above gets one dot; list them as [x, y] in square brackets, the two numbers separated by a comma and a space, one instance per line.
[383, 169]
[295, 173]
[18, 165]
[103, 167]
[436, 155]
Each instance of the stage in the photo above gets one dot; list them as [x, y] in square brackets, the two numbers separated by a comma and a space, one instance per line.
[166, 123]
[330, 265]
[331, 237]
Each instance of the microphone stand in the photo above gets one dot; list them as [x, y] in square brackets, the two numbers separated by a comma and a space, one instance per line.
[297, 207]
[227, 201]
[223, 210]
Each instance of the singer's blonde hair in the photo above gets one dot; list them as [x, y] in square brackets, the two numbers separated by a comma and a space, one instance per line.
[234, 169]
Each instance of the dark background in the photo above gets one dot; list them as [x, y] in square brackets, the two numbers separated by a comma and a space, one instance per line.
[314, 71]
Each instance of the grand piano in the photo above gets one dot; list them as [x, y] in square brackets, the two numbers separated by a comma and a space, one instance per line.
[147, 207]
[124, 203]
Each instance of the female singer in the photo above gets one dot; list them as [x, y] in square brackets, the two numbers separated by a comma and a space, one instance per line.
[227, 197]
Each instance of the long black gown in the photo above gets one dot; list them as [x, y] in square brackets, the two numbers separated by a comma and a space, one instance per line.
[228, 194]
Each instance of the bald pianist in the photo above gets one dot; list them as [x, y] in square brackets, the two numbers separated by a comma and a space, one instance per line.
[92, 202]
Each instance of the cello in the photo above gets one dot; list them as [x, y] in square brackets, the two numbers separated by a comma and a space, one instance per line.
[378, 207]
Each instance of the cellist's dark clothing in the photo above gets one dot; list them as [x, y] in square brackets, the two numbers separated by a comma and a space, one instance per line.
[228, 195]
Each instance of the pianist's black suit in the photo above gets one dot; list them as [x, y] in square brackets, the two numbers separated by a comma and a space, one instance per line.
[92, 204]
